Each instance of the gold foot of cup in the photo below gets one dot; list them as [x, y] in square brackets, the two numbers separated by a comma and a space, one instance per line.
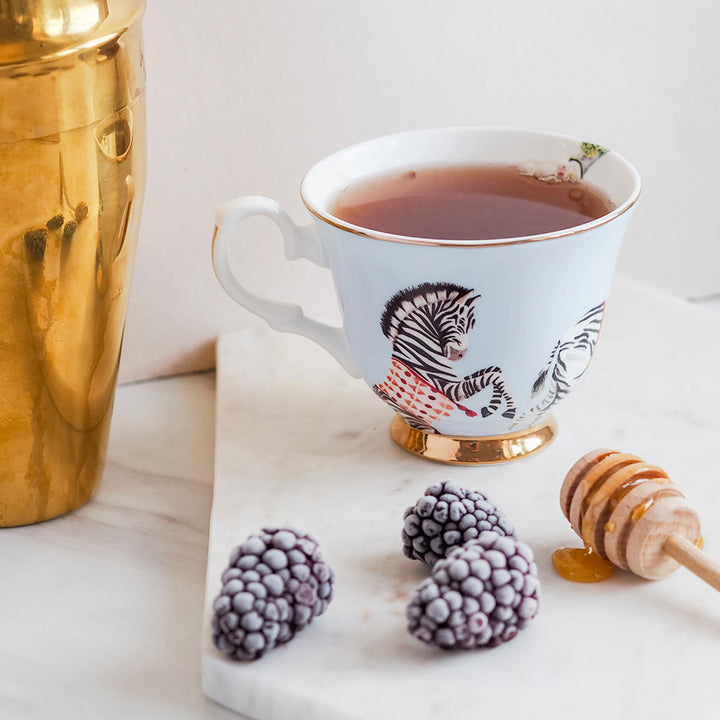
[473, 450]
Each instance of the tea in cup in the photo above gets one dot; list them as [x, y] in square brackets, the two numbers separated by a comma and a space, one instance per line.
[472, 267]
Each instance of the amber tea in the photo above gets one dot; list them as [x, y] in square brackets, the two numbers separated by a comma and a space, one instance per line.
[480, 202]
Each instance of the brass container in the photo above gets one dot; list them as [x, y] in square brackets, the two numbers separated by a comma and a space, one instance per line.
[72, 179]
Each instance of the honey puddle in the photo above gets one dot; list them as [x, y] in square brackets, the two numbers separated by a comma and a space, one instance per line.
[581, 565]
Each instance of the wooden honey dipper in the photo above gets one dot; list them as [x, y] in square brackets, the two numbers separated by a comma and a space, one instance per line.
[631, 514]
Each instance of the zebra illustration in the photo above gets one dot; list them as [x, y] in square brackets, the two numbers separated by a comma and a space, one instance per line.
[428, 326]
[568, 361]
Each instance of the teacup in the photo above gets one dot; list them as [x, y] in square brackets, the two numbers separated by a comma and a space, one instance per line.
[521, 316]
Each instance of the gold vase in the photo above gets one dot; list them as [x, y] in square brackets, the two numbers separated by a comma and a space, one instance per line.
[72, 179]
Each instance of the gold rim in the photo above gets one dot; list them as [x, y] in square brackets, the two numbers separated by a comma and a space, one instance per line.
[325, 216]
[473, 450]
[407, 240]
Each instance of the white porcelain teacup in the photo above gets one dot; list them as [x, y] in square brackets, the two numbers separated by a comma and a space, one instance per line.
[524, 313]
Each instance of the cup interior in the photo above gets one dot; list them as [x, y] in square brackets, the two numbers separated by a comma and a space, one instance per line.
[537, 152]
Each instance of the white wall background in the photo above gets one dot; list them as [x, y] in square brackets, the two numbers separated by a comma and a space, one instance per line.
[243, 96]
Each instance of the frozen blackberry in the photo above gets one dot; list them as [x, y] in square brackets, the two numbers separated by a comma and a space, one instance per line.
[55, 222]
[277, 581]
[448, 516]
[481, 595]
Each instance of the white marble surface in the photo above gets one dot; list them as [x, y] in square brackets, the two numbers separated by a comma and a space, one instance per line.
[299, 442]
[101, 612]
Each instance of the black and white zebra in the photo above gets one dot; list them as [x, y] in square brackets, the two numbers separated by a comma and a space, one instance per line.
[428, 326]
[568, 361]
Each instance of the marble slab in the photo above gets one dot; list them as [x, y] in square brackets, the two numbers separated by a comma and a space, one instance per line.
[298, 442]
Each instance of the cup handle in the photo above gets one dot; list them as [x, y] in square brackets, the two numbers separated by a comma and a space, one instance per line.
[298, 242]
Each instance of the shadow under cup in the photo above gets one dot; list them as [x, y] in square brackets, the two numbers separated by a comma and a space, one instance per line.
[471, 343]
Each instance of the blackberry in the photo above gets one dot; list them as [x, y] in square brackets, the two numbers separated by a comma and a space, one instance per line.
[276, 582]
[35, 244]
[481, 595]
[55, 222]
[69, 229]
[448, 516]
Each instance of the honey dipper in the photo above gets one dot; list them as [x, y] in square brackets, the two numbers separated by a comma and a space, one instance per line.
[630, 513]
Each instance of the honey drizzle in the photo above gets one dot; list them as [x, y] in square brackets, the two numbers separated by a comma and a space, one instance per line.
[581, 474]
[598, 484]
[587, 527]
[581, 565]
[639, 511]
[585, 564]
[641, 508]
[602, 487]
[657, 477]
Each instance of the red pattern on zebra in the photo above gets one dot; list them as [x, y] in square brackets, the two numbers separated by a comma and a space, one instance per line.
[416, 395]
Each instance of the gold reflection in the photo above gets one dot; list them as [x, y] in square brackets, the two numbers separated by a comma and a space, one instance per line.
[72, 160]
[473, 450]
